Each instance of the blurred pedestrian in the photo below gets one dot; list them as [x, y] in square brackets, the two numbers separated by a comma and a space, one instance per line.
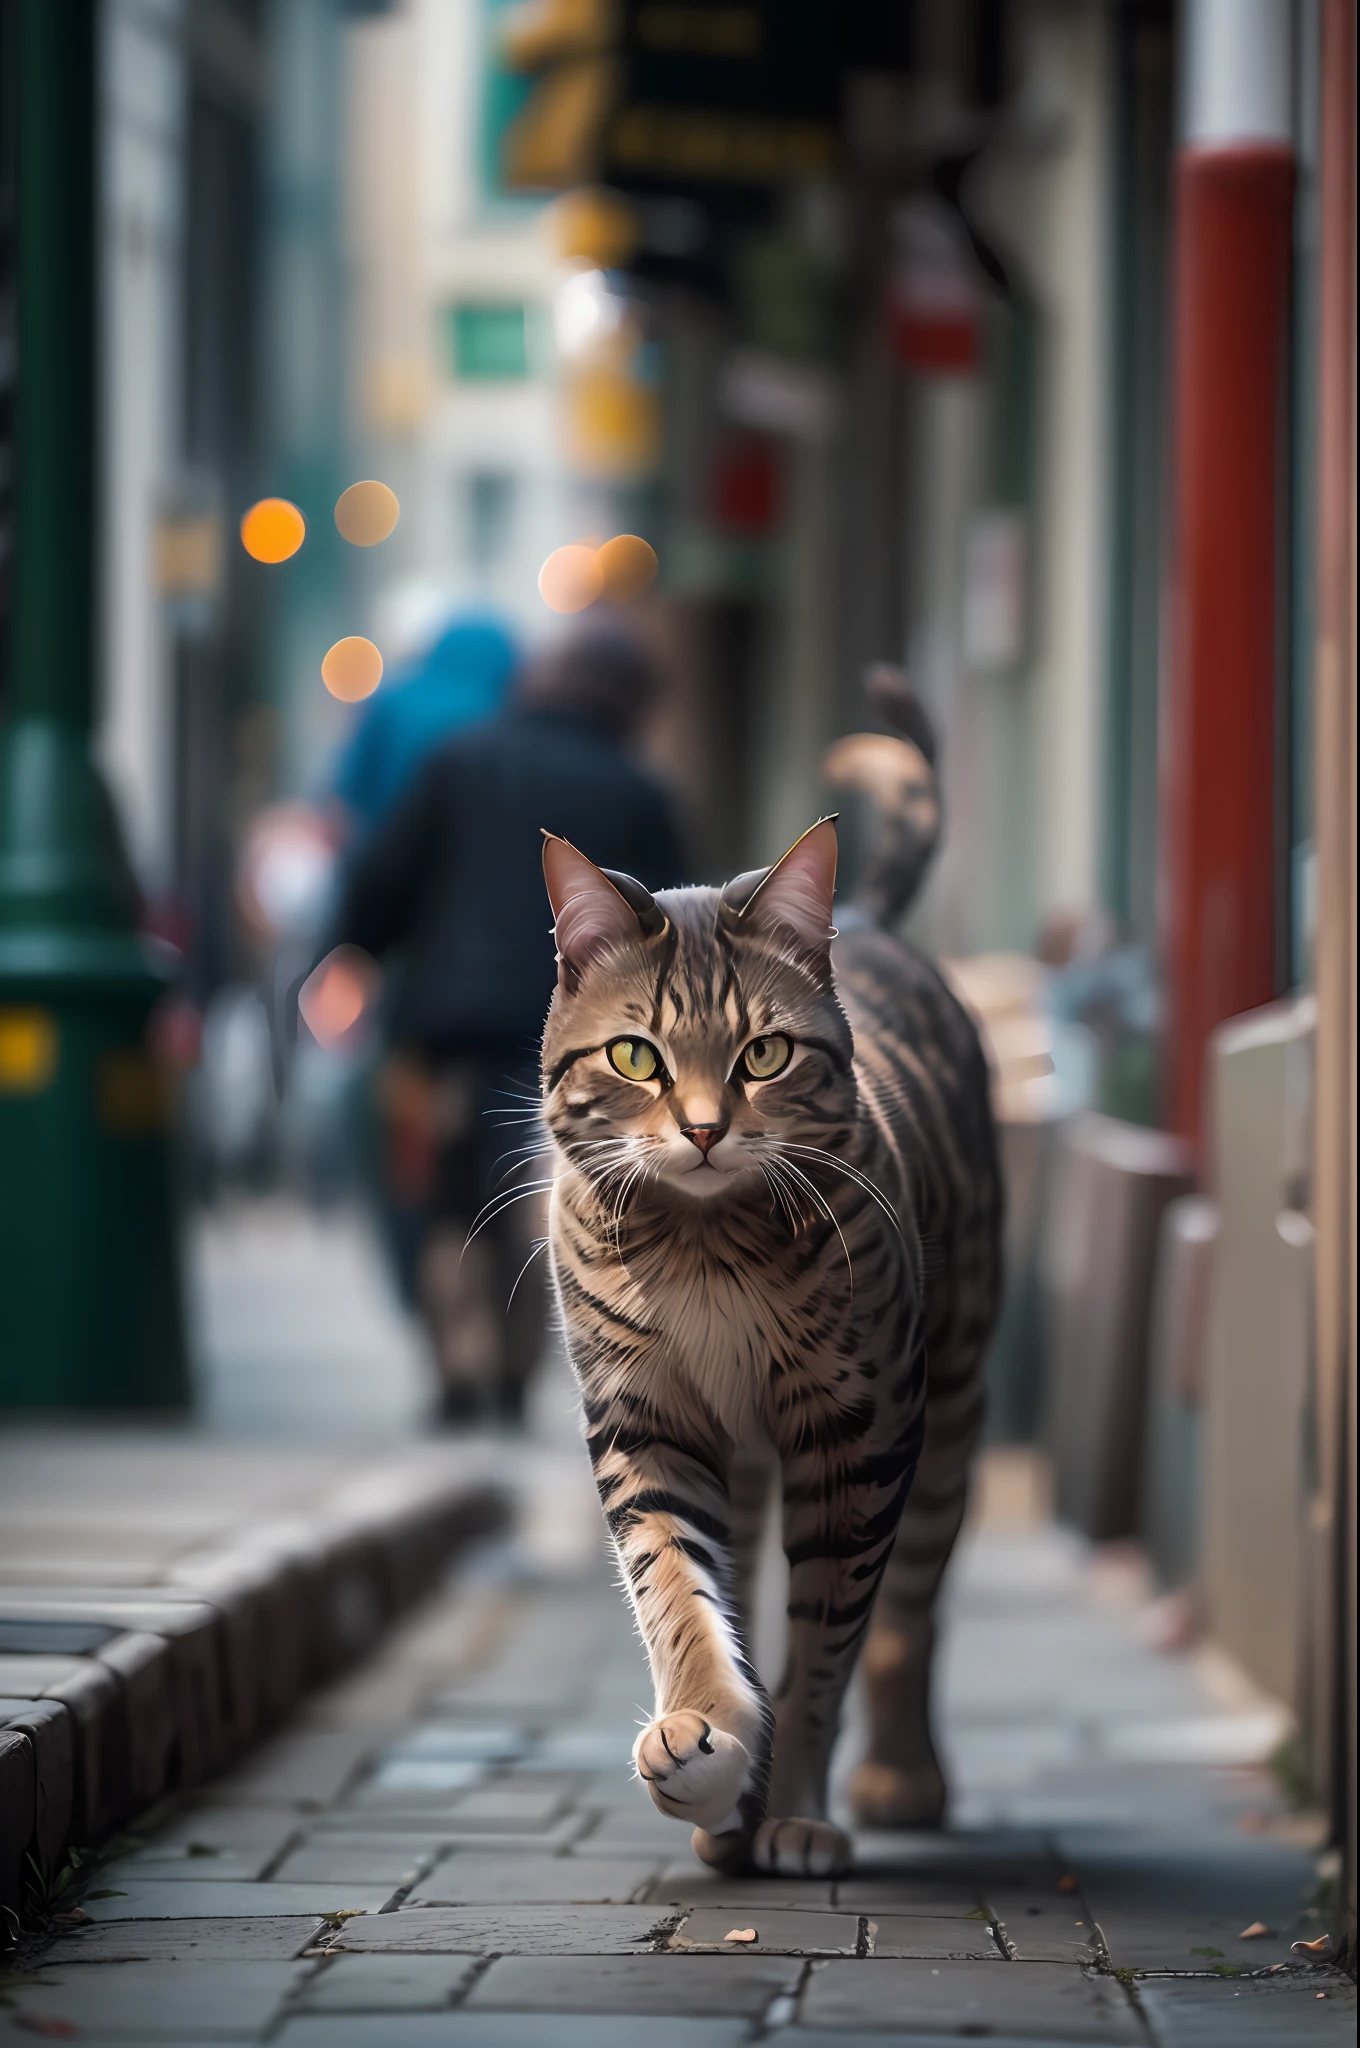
[460, 679]
[449, 889]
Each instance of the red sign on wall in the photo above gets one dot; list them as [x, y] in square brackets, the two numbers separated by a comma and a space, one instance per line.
[934, 305]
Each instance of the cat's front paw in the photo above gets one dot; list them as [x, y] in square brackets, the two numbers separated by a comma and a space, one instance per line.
[801, 1848]
[693, 1771]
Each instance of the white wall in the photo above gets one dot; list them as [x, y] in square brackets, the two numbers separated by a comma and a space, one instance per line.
[422, 237]
[142, 89]
[1047, 197]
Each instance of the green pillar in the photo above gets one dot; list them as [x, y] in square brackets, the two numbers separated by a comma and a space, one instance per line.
[90, 1298]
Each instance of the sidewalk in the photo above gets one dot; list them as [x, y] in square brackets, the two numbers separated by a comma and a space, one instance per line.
[170, 1589]
[446, 1847]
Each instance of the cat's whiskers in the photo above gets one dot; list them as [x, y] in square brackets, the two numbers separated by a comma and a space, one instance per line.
[789, 1194]
[635, 1175]
[593, 1171]
[503, 1174]
[610, 1177]
[824, 1205]
[778, 1196]
[541, 1246]
[498, 1205]
[861, 1180]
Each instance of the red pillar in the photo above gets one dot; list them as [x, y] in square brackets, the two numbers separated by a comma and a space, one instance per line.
[1229, 478]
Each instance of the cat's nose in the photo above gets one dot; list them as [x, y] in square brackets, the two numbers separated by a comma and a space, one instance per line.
[705, 1136]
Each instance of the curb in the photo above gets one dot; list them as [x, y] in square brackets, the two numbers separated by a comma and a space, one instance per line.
[114, 1694]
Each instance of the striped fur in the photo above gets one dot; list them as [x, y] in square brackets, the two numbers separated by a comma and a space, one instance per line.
[807, 1262]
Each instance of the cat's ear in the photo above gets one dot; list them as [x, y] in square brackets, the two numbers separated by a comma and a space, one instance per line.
[796, 893]
[592, 908]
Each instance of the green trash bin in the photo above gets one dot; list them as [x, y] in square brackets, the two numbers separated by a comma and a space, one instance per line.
[90, 1297]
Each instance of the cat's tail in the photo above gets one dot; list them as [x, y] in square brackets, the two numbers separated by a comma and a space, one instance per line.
[898, 777]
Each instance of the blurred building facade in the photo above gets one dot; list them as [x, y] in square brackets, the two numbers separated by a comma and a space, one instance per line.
[453, 284]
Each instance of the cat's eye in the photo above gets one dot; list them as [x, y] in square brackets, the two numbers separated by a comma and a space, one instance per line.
[766, 1057]
[634, 1059]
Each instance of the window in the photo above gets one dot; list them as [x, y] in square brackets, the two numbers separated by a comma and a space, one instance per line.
[488, 343]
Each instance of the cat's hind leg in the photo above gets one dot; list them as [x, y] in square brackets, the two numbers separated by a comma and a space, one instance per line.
[841, 1511]
[752, 1475]
[900, 1783]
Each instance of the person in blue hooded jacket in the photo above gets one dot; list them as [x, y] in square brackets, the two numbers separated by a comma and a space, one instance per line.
[460, 680]
[447, 895]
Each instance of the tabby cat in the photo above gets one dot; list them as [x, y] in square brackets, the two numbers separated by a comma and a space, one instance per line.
[774, 1222]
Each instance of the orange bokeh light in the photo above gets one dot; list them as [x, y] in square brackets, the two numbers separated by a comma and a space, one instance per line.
[273, 530]
[628, 565]
[352, 669]
[571, 578]
[366, 513]
[336, 994]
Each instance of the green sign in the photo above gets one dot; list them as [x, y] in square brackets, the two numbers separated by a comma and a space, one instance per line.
[488, 343]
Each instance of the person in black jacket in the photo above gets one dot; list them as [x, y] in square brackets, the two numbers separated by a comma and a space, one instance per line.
[448, 894]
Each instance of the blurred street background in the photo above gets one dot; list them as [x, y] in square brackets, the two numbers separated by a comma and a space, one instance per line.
[393, 389]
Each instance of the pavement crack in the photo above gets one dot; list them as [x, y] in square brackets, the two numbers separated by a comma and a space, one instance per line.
[417, 1876]
[782, 2009]
[285, 1849]
[656, 1937]
[474, 1976]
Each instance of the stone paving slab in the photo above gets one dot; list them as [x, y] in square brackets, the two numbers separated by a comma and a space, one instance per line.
[194, 1863]
[1035, 2001]
[231, 1939]
[377, 1983]
[432, 1785]
[593, 1748]
[913, 1934]
[492, 1700]
[510, 1930]
[620, 1831]
[363, 1859]
[769, 1932]
[1271, 1877]
[1019, 1855]
[688, 1883]
[219, 2001]
[1261, 2013]
[506, 2030]
[208, 1899]
[464, 1742]
[1042, 1927]
[942, 1897]
[443, 1832]
[467, 1878]
[697, 1985]
[916, 2037]
[209, 1843]
[306, 1768]
[1162, 1939]
[516, 1805]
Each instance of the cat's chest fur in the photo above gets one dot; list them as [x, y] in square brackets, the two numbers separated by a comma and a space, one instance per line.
[729, 1306]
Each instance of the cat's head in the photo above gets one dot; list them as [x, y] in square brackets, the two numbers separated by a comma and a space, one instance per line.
[695, 1036]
